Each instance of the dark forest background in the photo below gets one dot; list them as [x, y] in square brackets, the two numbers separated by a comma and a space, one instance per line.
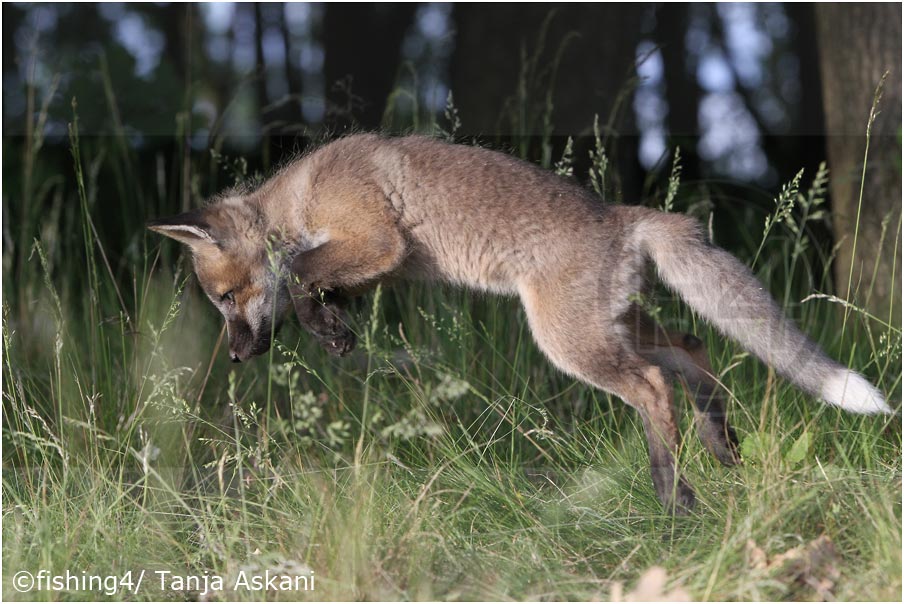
[191, 96]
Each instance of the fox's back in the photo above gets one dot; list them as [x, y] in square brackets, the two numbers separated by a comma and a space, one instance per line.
[482, 216]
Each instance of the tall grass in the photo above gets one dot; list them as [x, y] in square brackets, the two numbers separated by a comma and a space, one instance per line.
[445, 459]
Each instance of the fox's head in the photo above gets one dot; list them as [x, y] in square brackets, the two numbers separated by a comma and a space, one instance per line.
[236, 268]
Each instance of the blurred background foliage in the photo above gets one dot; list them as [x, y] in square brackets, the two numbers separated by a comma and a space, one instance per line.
[751, 93]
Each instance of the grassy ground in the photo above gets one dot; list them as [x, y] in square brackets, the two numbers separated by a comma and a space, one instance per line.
[445, 459]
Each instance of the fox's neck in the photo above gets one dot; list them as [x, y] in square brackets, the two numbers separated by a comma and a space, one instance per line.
[284, 206]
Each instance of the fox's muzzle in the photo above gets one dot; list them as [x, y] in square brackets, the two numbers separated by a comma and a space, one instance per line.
[244, 343]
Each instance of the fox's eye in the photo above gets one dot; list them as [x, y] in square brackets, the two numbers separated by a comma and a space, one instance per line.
[228, 297]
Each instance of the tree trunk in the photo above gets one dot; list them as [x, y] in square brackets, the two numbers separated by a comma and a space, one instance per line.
[682, 90]
[858, 43]
[808, 132]
[176, 23]
[292, 108]
[268, 145]
[260, 69]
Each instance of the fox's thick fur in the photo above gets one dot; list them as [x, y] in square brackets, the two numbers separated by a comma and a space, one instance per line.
[367, 208]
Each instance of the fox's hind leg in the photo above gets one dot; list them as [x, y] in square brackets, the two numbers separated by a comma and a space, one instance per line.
[580, 337]
[684, 356]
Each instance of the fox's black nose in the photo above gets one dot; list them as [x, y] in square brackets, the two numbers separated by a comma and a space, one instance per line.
[234, 356]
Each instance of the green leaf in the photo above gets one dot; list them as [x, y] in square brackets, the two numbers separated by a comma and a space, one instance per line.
[799, 449]
[757, 446]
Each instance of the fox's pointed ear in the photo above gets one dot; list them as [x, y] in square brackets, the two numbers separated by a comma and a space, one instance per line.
[190, 228]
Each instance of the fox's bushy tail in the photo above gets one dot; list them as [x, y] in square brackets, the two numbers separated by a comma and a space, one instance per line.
[726, 293]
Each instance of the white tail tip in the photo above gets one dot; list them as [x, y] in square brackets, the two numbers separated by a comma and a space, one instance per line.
[849, 390]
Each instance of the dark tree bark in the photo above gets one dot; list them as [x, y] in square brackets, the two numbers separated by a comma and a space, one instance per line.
[362, 45]
[808, 130]
[858, 43]
[224, 82]
[177, 23]
[681, 87]
[292, 109]
[595, 45]
[261, 64]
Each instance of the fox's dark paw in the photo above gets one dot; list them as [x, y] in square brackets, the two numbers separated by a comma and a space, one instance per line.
[677, 496]
[728, 454]
[683, 501]
[334, 335]
[338, 344]
[721, 440]
[326, 321]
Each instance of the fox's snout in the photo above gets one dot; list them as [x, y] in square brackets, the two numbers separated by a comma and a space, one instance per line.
[244, 343]
[240, 340]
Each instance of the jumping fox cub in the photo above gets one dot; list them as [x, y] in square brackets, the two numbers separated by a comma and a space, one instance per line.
[366, 208]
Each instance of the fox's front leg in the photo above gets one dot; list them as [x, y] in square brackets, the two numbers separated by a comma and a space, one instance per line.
[323, 315]
[320, 275]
